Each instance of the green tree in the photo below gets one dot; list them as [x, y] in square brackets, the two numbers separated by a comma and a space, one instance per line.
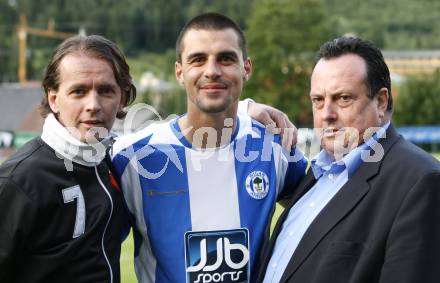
[236, 10]
[283, 36]
[152, 26]
[8, 49]
[391, 24]
[418, 101]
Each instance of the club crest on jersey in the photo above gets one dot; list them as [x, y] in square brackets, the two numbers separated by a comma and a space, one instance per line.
[217, 256]
[257, 184]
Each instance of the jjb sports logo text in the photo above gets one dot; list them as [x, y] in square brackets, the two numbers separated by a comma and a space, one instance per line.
[217, 256]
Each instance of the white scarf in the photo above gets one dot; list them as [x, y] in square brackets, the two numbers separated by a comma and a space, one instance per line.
[70, 148]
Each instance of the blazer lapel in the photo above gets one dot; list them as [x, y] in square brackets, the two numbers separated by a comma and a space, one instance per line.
[306, 183]
[341, 204]
[349, 195]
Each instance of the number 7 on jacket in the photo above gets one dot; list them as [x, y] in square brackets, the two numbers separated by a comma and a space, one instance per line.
[69, 195]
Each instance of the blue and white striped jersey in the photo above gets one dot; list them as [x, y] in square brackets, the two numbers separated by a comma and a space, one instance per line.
[200, 215]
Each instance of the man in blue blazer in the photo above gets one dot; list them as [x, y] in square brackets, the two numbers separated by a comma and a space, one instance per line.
[369, 208]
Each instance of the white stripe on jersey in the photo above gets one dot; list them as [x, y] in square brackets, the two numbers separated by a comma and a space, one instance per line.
[213, 206]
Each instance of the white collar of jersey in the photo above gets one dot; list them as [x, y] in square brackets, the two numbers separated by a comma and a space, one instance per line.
[69, 147]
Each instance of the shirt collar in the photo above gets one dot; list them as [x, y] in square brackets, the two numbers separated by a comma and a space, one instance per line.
[324, 162]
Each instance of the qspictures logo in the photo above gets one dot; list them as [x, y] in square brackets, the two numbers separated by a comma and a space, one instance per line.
[217, 256]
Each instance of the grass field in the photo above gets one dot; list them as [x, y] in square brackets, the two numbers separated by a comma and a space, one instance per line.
[127, 267]
[127, 270]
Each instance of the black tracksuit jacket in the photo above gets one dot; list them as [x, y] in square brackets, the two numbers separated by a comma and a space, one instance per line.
[57, 225]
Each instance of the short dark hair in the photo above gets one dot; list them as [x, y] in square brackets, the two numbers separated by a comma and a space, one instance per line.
[95, 46]
[378, 74]
[210, 21]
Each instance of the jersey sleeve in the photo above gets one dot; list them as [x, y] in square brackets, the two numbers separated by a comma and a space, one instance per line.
[291, 168]
[126, 154]
[243, 107]
[124, 162]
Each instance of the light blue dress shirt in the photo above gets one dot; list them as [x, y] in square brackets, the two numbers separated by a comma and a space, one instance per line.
[331, 176]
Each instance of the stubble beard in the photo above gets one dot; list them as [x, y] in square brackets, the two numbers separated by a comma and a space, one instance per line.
[215, 108]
